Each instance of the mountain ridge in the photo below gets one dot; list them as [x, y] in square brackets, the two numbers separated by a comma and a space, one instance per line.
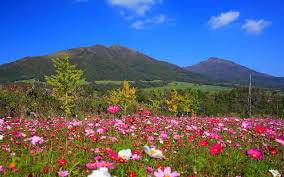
[101, 63]
[229, 70]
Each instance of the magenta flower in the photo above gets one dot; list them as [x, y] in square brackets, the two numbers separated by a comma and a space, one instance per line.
[166, 173]
[280, 140]
[113, 109]
[215, 149]
[63, 173]
[255, 153]
[91, 165]
[106, 164]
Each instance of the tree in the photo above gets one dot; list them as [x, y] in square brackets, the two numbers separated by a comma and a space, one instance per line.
[174, 102]
[65, 82]
[123, 97]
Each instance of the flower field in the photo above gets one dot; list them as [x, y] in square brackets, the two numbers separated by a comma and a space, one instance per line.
[141, 146]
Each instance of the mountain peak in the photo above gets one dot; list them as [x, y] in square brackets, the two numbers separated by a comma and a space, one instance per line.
[228, 70]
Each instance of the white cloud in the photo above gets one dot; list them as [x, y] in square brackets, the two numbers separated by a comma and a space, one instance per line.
[223, 19]
[140, 7]
[159, 19]
[138, 24]
[255, 26]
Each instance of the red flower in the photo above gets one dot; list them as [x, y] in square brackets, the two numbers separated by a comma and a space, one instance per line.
[62, 162]
[274, 152]
[113, 156]
[203, 143]
[260, 129]
[94, 139]
[45, 169]
[214, 121]
[131, 174]
[215, 149]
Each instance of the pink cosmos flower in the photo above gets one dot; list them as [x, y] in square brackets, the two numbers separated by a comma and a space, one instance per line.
[136, 157]
[255, 153]
[203, 143]
[36, 139]
[63, 173]
[166, 173]
[100, 131]
[106, 164]
[215, 149]
[246, 125]
[113, 109]
[91, 165]
[280, 140]
[163, 135]
[176, 137]
[150, 138]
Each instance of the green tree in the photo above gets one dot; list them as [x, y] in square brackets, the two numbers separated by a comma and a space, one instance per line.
[65, 82]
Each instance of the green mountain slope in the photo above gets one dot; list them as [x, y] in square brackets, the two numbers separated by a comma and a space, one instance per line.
[101, 63]
[228, 70]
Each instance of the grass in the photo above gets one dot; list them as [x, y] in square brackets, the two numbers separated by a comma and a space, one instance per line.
[120, 82]
[185, 85]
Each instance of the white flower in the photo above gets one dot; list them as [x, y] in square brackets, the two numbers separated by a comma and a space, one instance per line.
[101, 172]
[1, 137]
[125, 154]
[153, 152]
[275, 173]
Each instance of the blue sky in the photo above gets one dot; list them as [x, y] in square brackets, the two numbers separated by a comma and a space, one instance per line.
[183, 32]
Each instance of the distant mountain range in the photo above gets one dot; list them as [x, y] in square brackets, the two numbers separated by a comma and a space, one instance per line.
[228, 70]
[122, 63]
[102, 63]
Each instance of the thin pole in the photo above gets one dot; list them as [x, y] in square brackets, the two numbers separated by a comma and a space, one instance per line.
[249, 97]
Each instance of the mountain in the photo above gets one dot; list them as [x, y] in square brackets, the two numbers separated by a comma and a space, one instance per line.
[228, 70]
[101, 63]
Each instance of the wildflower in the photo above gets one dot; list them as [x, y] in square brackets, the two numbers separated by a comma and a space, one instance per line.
[36, 139]
[153, 152]
[255, 153]
[105, 164]
[113, 109]
[1, 168]
[101, 172]
[166, 173]
[246, 125]
[203, 143]
[260, 129]
[91, 165]
[45, 169]
[136, 157]
[275, 173]
[63, 173]
[1, 137]
[62, 162]
[149, 169]
[274, 152]
[215, 149]
[11, 165]
[113, 156]
[176, 137]
[280, 140]
[125, 154]
[131, 174]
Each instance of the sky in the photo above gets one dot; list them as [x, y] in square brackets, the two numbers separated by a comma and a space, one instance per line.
[182, 32]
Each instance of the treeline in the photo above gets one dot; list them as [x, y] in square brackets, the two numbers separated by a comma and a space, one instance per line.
[22, 99]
